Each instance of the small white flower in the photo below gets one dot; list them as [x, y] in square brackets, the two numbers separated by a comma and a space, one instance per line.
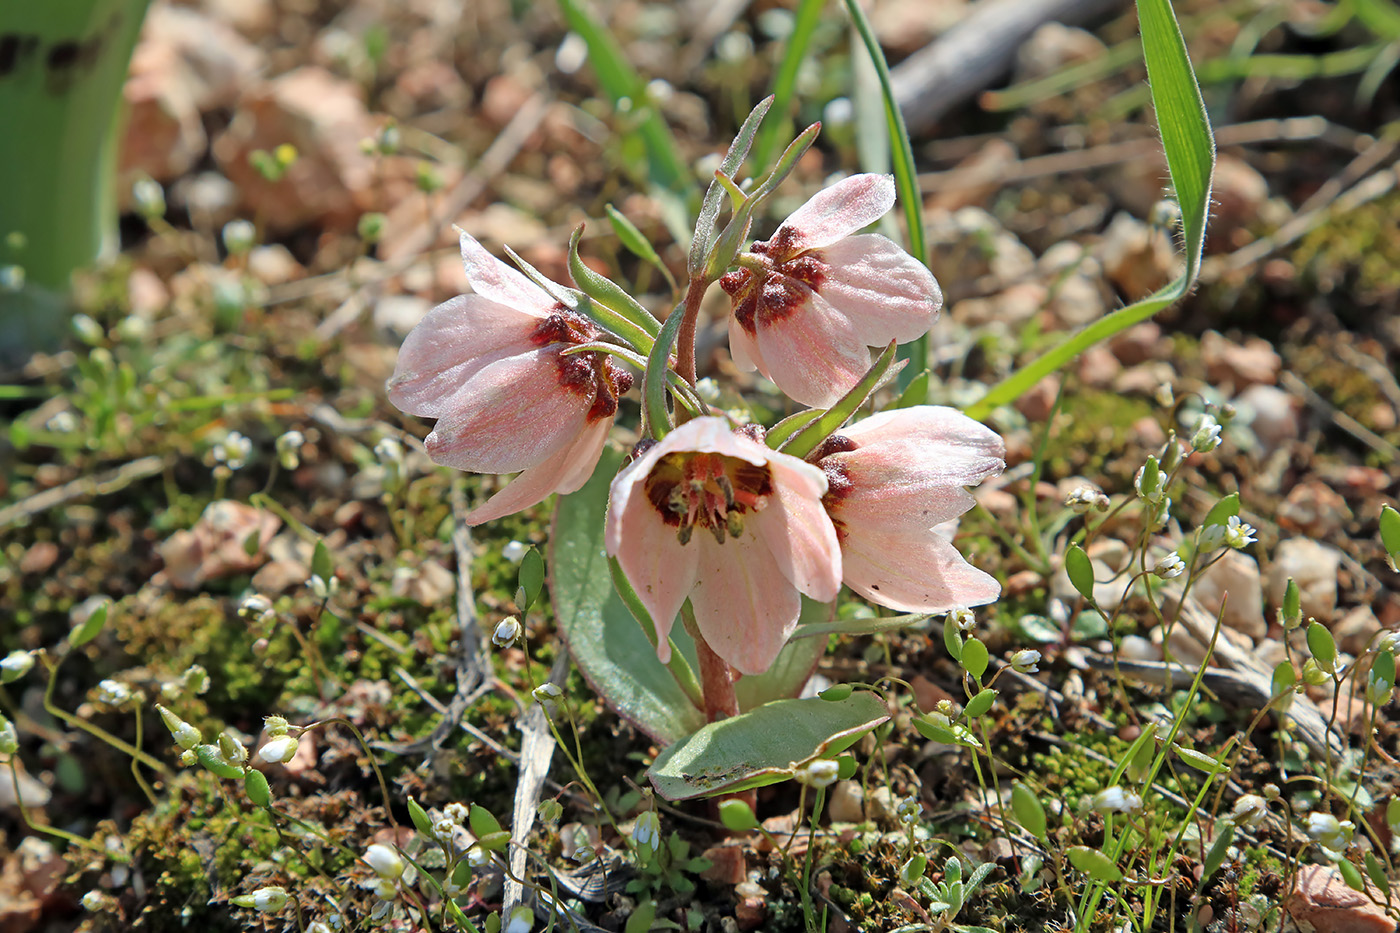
[269, 900]
[647, 831]
[1084, 498]
[1212, 537]
[1377, 690]
[239, 236]
[1117, 799]
[522, 920]
[457, 813]
[322, 588]
[514, 551]
[1207, 435]
[478, 857]
[820, 773]
[547, 691]
[1170, 566]
[1249, 811]
[233, 451]
[279, 750]
[9, 739]
[1388, 641]
[148, 196]
[506, 632]
[1327, 831]
[707, 388]
[1025, 661]
[1238, 534]
[909, 809]
[289, 449]
[386, 862]
[256, 607]
[15, 665]
[443, 831]
[1164, 395]
[383, 888]
[94, 901]
[113, 693]
[318, 926]
[389, 452]
[963, 620]
[64, 422]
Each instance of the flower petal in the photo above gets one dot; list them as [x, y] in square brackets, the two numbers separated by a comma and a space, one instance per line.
[493, 279]
[563, 472]
[886, 293]
[912, 573]
[660, 569]
[834, 212]
[812, 351]
[797, 530]
[510, 416]
[743, 605]
[452, 343]
[743, 349]
[929, 444]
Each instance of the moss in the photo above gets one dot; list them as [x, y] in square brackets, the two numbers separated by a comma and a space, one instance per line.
[1355, 255]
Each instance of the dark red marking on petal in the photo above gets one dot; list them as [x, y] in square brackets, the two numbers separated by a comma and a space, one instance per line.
[835, 444]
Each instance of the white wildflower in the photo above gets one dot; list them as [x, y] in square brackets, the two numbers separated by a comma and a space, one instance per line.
[386, 862]
[1249, 811]
[1207, 435]
[1170, 566]
[647, 831]
[113, 693]
[1117, 799]
[15, 665]
[1327, 831]
[820, 773]
[279, 750]
[506, 632]
[1238, 534]
[1025, 661]
[289, 449]
[514, 551]
[233, 451]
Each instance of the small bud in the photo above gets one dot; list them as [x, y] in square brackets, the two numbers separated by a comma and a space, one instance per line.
[506, 632]
[1025, 661]
[389, 452]
[279, 750]
[386, 862]
[1117, 799]
[1085, 498]
[390, 139]
[96, 901]
[239, 236]
[275, 726]
[1206, 436]
[371, 226]
[15, 665]
[1327, 831]
[1313, 675]
[1165, 214]
[269, 900]
[232, 750]
[428, 178]
[444, 830]
[458, 813]
[963, 619]
[1270, 791]
[323, 588]
[288, 447]
[195, 679]
[185, 735]
[233, 451]
[1290, 614]
[256, 607]
[522, 920]
[9, 738]
[87, 330]
[1170, 566]
[1378, 689]
[1210, 538]
[1148, 481]
[908, 809]
[113, 693]
[1164, 395]
[820, 773]
[63, 422]
[547, 691]
[647, 831]
[1249, 811]
[514, 551]
[148, 198]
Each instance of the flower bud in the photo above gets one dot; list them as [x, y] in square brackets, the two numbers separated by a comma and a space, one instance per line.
[506, 632]
[1085, 498]
[820, 773]
[185, 735]
[1327, 831]
[1207, 435]
[1164, 395]
[279, 750]
[1025, 661]
[255, 607]
[15, 665]
[288, 447]
[522, 920]
[908, 809]
[232, 750]
[1313, 675]
[458, 813]
[514, 552]
[233, 451]
[275, 726]
[148, 198]
[1117, 799]
[1148, 481]
[547, 691]
[647, 831]
[239, 236]
[1249, 811]
[269, 900]
[386, 862]
[113, 693]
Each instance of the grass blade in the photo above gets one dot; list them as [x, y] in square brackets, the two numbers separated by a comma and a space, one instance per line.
[1190, 151]
[804, 24]
[906, 179]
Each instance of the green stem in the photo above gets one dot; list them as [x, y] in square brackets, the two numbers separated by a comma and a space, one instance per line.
[95, 731]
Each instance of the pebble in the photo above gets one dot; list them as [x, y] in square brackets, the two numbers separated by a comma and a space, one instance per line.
[847, 802]
[1272, 414]
[1355, 629]
[1314, 509]
[1255, 362]
[1321, 901]
[1314, 568]
[1235, 575]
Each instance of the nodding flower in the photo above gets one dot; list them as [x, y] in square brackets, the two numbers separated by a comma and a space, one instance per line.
[714, 516]
[492, 368]
[810, 302]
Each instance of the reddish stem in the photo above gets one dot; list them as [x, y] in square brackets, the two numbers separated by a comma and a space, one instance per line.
[685, 340]
[716, 682]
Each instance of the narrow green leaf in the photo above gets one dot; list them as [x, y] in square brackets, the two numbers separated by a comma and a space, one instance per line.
[906, 179]
[321, 564]
[809, 438]
[1190, 152]
[804, 24]
[978, 706]
[1027, 809]
[706, 233]
[658, 416]
[632, 238]
[915, 393]
[1292, 609]
[628, 319]
[1215, 855]
[1095, 864]
[531, 577]
[641, 918]
[1383, 668]
[974, 657]
[91, 626]
[1080, 570]
[779, 433]
[952, 638]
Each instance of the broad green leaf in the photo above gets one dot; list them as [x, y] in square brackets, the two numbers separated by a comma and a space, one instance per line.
[1284, 678]
[1027, 809]
[974, 657]
[1094, 864]
[764, 745]
[1383, 667]
[810, 437]
[1190, 151]
[321, 564]
[977, 706]
[640, 920]
[91, 626]
[531, 577]
[1080, 570]
[482, 822]
[1390, 531]
[952, 638]
[1215, 856]
[1224, 510]
[906, 179]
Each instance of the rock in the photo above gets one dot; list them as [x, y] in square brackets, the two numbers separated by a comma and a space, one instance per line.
[1108, 592]
[1010, 308]
[1236, 574]
[274, 264]
[216, 546]
[727, 864]
[146, 293]
[1148, 432]
[905, 26]
[1314, 568]
[1098, 367]
[1039, 399]
[427, 584]
[1137, 648]
[1053, 47]
[1322, 902]
[325, 119]
[1078, 299]
[398, 314]
[1255, 362]
[1272, 414]
[253, 18]
[1354, 631]
[1314, 509]
[985, 168]
[970, 245]
[1136, 258]
[39, 558]
[278, 576]
[847, 803]
[1237, 192]
[1140, 343]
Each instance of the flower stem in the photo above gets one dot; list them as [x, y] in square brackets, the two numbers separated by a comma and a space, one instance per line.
[716, 676]
[685, 340]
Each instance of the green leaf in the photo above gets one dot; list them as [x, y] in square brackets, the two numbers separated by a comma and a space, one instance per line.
[482, 822]
[321, 564]
[736, 815]
[1027, 809]
[620, 312]
[635, 241]
[1039, 629]
[1224, 510]
[779, 433]
[810, 437]
[1383, 667]
[1376, 872]
[657, 416]
[915, 393]
[906, 179]
[978, 706]
[1190, 152]
[421, 821]
[1390, 531]
[1080, 570]
[641, 919]
[255, 786]
[1323, 648]
[531, 577]
[91, 626]
[1094, 864]
[1215, 856]
[706, 234]
[1284, 678]
[1351, 875]
[974, 657]
[952, 638]
[1200, 761]
[620, 81]
[805, 20]
[764, 745]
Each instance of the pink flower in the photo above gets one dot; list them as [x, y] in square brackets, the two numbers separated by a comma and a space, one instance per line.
[892, 479]
[822, 297]
[489, 366]
[717, 518]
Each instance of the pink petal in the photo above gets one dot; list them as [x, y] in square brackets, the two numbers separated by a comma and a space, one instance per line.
[887, 294]
[900, 503]
[743, 349]
[743, 605]
[836, 211]
[659, 567]
[564, 472]
[912, 573]
[812, 351]
[925, 444]
[797, 530]
[709, 435]
[452, 343]
[510, 416]
[493, 279]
